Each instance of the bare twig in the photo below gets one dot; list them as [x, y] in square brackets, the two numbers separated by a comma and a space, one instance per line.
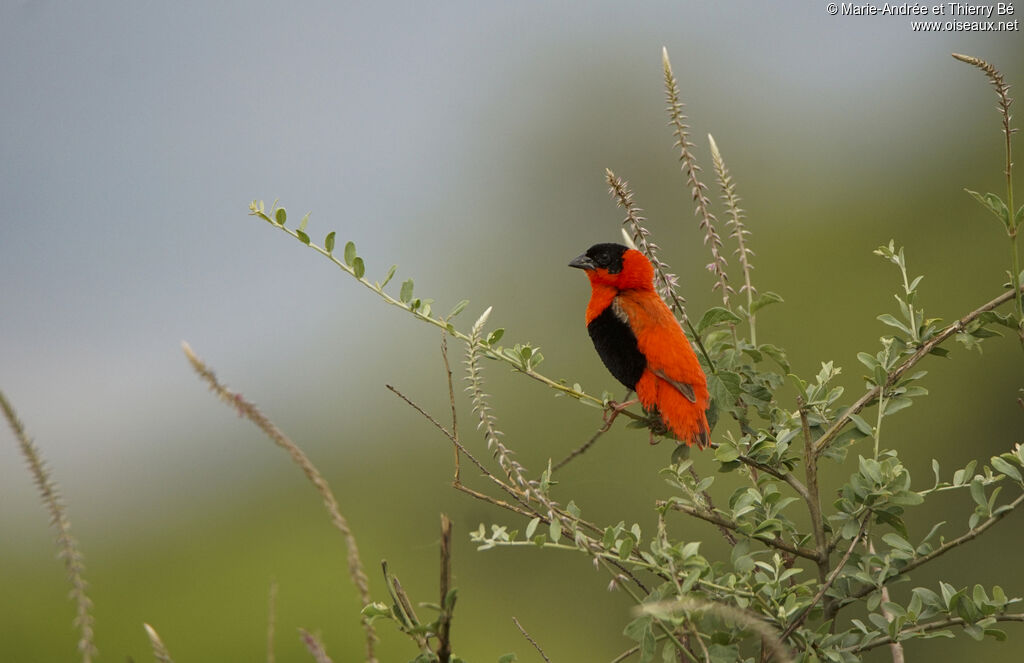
[530, 639]
[833, 431]
[580, 450]
[253, 414]
[456, 482]
[444, 646]
[67, 545]
[451, 400]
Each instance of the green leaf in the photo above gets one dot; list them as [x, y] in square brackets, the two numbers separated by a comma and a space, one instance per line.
[329, 242]
[376, 609]
[868, 360]
[893, 322]
[725, 389]
[555, 530]
[764, 300]
[978, 493]
[1001, 465]
[724, 653]
[716, 316]
[862, 425]
[532, 527]
[358, 268]
[508, 658]
[280, 216]
[948, 594]
[303, 237]
[350, 253]
[726, 453]
[406, 293]
[458, 309]
[625, 548]
[896, 404]
[304, 222]
[495, 336]
[777, 354]
[898, 542]
[994, 204]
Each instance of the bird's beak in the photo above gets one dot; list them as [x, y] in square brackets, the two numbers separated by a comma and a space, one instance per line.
[583, 262]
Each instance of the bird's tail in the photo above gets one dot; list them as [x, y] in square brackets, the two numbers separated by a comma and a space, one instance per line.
[685, 418]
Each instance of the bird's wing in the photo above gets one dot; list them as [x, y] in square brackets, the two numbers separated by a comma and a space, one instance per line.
[684, 389]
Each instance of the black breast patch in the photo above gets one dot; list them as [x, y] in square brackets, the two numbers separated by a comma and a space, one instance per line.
[617, 347]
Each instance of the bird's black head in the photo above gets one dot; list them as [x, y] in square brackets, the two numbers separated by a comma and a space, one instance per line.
[601, 256]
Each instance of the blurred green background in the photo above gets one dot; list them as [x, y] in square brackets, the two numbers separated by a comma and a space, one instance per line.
[466, 142]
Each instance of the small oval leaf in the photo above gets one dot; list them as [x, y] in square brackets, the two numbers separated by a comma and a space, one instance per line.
[406, 293]
[329, 242]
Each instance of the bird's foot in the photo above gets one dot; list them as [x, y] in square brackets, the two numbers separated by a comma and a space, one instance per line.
[614, 409]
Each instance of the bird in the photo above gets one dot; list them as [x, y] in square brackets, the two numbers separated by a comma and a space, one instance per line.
[641, 342]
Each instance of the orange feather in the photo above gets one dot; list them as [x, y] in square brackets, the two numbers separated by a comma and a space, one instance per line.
[671, 381]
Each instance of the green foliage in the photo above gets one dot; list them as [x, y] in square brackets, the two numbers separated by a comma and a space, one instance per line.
[806, 579]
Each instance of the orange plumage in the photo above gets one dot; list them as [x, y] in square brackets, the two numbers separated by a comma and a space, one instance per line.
[641, 342]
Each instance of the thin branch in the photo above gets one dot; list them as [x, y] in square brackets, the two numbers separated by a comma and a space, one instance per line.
[635, 649]
[451, 400]
[828, 582]
[788, 477]
[813, 498]
[945, 548]
[716, 519]
[456, 482]
[895, 648]
[833, 431]
[256, 209]
[709, 505]
[444, 646]
[67, 545]
[580, 450]
[252, 413]
[927, 628]
[530, 639]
